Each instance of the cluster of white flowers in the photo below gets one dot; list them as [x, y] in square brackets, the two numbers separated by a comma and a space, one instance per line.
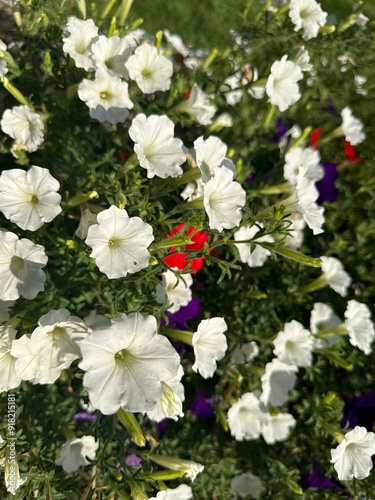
[248, 419]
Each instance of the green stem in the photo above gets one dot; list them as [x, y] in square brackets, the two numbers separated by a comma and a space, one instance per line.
[270, 114]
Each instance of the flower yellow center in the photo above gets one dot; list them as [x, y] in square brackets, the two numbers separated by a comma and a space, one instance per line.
[121, 355]
[34, 199]
[145, 74]
[103, 95]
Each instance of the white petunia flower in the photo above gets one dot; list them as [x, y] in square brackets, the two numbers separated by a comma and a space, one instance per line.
[308, 15]
[259, 255]
[56, 338]
[198, 106]
[281, 87]
[244, 353]
[74, 453]
[107, 97]
[111, 55]
[352, 127]
[4, 307]
[3, 63]
[24, 126]
[223, 200]
[352, 457]
[119, 243]
[335, 275]
[158, 151]
[359, 325]
[232, 89]
[294, 345]
[170, 404]
[176, 289]
[78, 38]
[277, 427]
[303, 60]
[149, 69]
[87, 220]
[30, 366]
[246, 418]
[303, 201]
[126, 363]
[298, 158]
[323, 319]
[193, 190]
[9, 379]
[182, 492]
[278, 379]
[21, 263]
[29, 199]
[247, 485]
[210, 345]
[210, 153]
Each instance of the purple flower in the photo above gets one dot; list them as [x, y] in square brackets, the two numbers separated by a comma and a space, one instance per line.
[316, 479]
[85, 415]
[161, 426]
[360, 411]
[133, 460]
[202, 405]
[326, 186]
[180, 318]
[281, 130]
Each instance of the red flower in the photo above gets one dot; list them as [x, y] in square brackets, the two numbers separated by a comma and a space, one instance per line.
[314, 138]
[182, 260]
[351, 153]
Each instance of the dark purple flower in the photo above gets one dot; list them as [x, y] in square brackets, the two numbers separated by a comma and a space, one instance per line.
[326, 186]
[250, 178]
[202, 405]
[360, 411]
[161, 426]
[316, 479]
[133, 460]
[85, 415]
[180, 318]
[281, 130]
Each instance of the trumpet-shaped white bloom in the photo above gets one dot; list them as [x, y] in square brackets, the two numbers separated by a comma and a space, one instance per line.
[259, 255]
[282, 87]
[210, 153]
[352, 127]
[170, 404]
[56, 339]
[29, 199]
[323, 319]
[302, 59]
[297, 158]
[337, 278]
[303, 201]
[126, 363]
[78, 38]
[177, 43]
[210, 345]
[244, 353]
[308, 15]
[8, 376]
[352, 457]
[198, 106]
[359, 325]
[176, 289]
[158, 151]
[111, 55]
[21, 263]
[149, 69]
[74, 452]
[182, 492]
[277, 427]
[189, 468]
[278, 379]
[107, 97]
[31, 366]
[246, 417]
[223, 200]
[119, 243]
[294, 345]
[3, 63]
[24, 126]
[247, 485]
